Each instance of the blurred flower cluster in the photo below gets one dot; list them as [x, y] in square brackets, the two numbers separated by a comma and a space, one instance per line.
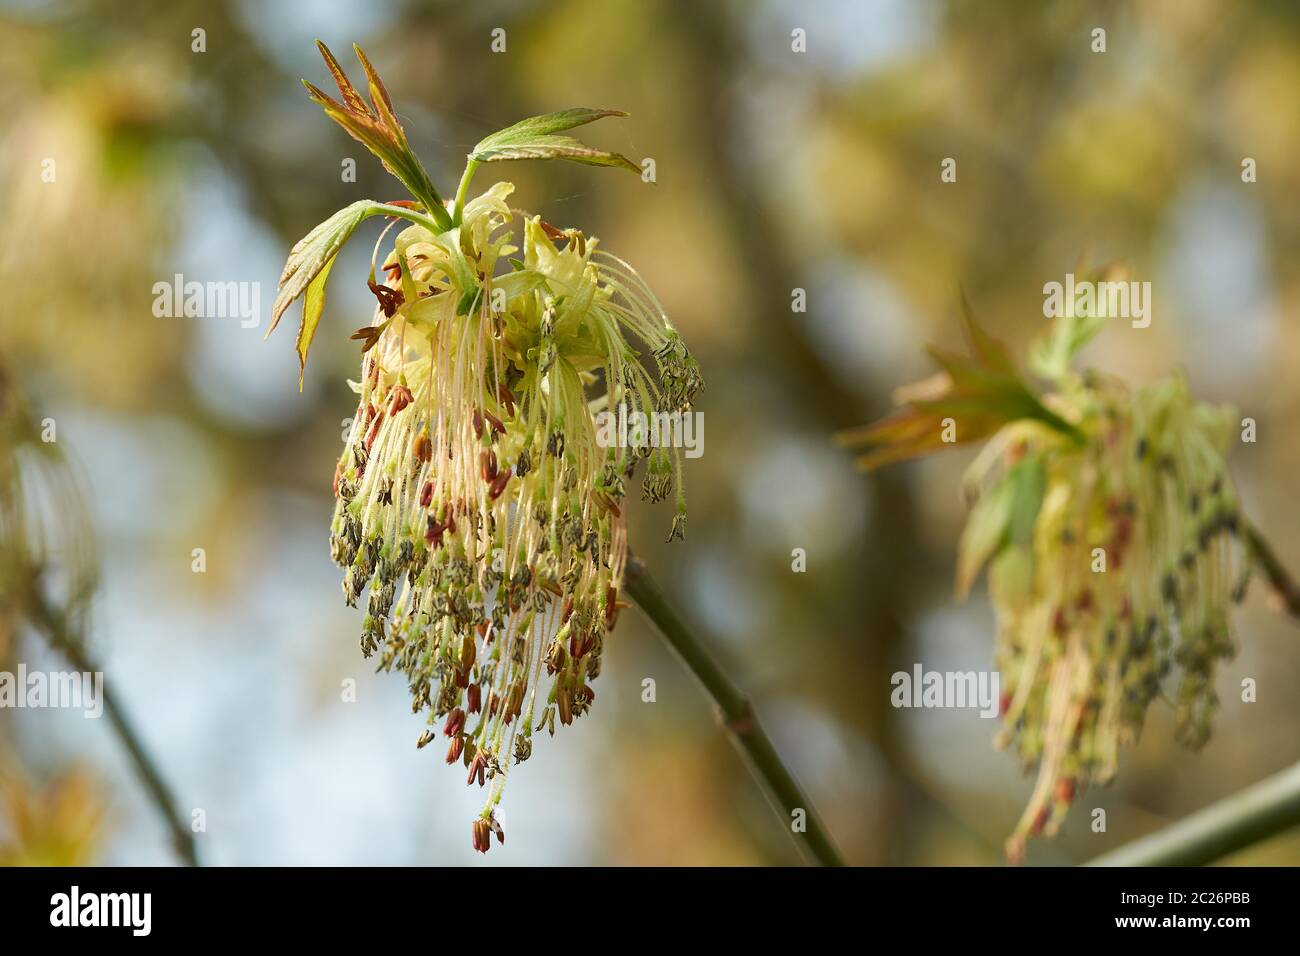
[1106, 518]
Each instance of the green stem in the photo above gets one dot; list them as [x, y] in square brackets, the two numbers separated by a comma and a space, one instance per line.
[1235, 822]
[433, 224]
[736, 712]
[60, 637]
[458, 210]
[1262, 554]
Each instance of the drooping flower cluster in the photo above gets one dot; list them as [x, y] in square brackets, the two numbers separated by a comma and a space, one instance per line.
[1106, 518]
[473, 498]
[1114, 572]
[479, 520]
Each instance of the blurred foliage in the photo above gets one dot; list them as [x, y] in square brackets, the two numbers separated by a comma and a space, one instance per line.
[58, 824]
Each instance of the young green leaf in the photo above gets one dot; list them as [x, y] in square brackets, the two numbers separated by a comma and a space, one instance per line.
[978, 394]
[535, 138]
[310, 260]
[985, 532]
[1005, 516]
[313, 303]
[314, 251]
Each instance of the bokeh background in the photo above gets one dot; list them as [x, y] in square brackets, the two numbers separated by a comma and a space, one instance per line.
[776, 170]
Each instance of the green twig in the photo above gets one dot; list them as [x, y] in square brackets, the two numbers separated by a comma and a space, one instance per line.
[736, 712]
[1235, 822]
[1263, 556]
[56, 630]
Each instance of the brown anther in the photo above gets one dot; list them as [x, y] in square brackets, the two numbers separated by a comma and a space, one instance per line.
[467, 652]
[454, 751]
[374, 430]
[389, 299]
[401, 397]
[433, 531]
[482, 835]
[499, 485]
[506, 397]
[611, 606]
[477, 769]
[455, 723]
[555, 658]
[487, 465]
[497, 425]
[368, 335]
[515, 701]
[477, 420]
[473, 699]
[426, 494]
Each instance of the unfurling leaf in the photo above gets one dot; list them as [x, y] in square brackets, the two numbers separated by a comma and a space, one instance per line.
[1051, 354]
[376, 127]
[981, 394]
[307, 269]
[985, 532]
[535, 138]
[314, 251]
[1005, 516]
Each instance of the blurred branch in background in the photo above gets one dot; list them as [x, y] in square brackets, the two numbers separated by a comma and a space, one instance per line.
[46, 550]
[1283, 584]
[54, 627]
[736, 713]
[876, 591]
[1248, 816]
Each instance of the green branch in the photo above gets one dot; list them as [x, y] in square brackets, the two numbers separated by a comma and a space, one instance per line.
[55, 628]
[1279, 579]
[736, 712]
[1248, 816]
